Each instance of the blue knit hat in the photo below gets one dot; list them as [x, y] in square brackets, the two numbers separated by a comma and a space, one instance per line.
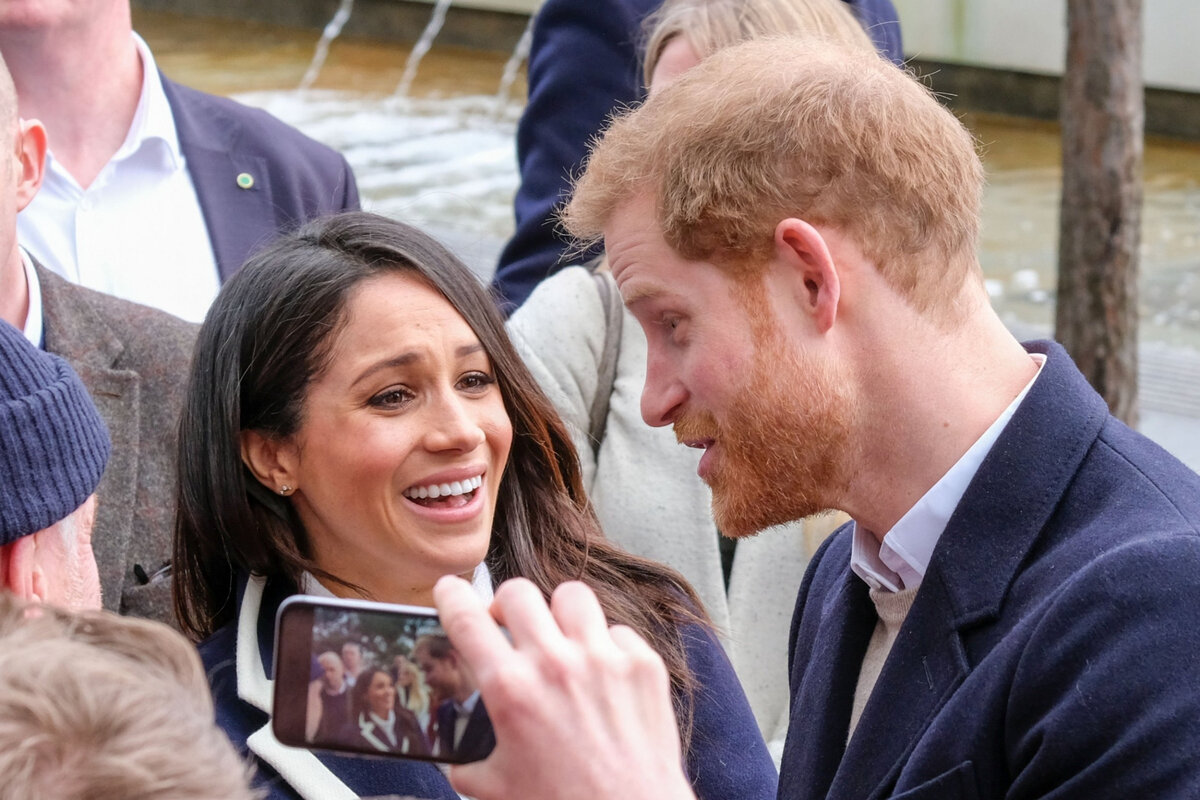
[53, 444]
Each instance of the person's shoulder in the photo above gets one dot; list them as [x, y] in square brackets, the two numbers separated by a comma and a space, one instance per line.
[248, 125]
[218, 654]
[564, 294]
[1142, 465]
[561, 322]
[147, 334]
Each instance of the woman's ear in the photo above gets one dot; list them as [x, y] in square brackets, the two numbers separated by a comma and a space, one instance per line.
[813, 272]
[272, 461]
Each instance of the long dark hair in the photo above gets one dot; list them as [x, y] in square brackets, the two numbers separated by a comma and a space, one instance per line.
[359, 703]
[269, 334]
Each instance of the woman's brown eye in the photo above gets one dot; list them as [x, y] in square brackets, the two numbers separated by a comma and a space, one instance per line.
[390, 397]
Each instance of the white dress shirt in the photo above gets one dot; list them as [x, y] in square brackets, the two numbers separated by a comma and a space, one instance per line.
[462, 716]
[900, 561]
[137, 231]
[481, 582]
[33, 317]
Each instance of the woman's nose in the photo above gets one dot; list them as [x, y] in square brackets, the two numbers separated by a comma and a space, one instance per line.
[454, 426]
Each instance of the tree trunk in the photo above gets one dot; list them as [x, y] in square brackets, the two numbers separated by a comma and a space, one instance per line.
[1101, 215]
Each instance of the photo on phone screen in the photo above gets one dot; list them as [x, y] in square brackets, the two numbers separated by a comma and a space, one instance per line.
[376, 679]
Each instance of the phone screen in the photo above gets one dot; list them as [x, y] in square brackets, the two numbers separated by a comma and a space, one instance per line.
[375, 679]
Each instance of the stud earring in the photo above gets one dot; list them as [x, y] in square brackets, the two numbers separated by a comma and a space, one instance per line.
[285, 490]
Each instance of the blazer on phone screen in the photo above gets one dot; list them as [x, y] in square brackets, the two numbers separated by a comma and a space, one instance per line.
[477, 740]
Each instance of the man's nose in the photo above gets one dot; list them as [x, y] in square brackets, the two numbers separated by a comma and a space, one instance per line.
[663, 393]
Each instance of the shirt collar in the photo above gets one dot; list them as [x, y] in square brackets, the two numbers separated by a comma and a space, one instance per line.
[481, 582]
[153, 119]
[900, 561]
[467, 707]
[34, 325]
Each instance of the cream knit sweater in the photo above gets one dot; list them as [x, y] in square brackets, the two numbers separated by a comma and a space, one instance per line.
[892, 608]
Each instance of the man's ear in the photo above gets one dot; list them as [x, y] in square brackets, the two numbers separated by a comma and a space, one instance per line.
[806, 254]
[20, 571]
[272, 461]
[31, 160]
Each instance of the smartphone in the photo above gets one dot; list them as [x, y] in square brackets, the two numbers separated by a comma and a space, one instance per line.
[374, 679]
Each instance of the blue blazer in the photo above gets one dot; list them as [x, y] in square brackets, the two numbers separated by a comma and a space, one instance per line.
[294, 178]
[1054, 645]
[583, 65]
[478, 738]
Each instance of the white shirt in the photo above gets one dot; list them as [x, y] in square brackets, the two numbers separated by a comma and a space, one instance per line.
[137, 232]
[481, 582]
[33, 318]
[463, 713]
[900, 561]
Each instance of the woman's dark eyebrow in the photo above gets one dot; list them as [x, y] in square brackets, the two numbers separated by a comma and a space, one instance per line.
[404, 359]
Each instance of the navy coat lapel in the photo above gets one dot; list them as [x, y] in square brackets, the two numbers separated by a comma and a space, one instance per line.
[924, 668]
[233, 215]
[823, 681]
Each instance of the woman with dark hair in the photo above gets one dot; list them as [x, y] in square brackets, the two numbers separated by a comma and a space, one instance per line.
[377, 723]
[357, 423]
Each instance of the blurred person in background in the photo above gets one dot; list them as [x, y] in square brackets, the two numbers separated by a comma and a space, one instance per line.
[154, 192]
[584, 64]
[129, 357]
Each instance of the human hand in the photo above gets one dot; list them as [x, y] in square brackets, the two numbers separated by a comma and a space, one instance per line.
[580, 710]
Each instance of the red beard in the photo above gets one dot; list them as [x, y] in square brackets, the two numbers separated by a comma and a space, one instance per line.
[781, 454]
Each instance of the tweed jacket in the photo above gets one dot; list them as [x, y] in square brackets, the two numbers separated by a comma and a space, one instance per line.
[295, 179]
[648, 497]
[1052, 648]
[134, 361]
[599, 39]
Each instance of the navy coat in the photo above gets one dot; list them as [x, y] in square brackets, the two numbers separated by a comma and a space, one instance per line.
[1053, 648]
[295, 179]
[478, 738]
[583, 65]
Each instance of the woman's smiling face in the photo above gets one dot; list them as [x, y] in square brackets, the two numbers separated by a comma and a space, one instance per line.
[381, 695]
[402, 443]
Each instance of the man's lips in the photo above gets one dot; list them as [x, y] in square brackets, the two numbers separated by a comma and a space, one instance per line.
[704, 467]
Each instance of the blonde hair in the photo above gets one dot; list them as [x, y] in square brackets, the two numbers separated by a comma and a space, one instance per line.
[418, 692]
[711, 25]
[771, 129]
[97, 706]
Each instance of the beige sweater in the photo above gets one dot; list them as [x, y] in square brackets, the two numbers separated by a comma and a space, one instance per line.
[892, 608]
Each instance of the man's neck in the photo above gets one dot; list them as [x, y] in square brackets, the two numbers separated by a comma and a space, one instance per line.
[14, 290]
[935, 394]
[83, 83]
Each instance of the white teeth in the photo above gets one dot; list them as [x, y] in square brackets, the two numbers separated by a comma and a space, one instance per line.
[436, 490]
